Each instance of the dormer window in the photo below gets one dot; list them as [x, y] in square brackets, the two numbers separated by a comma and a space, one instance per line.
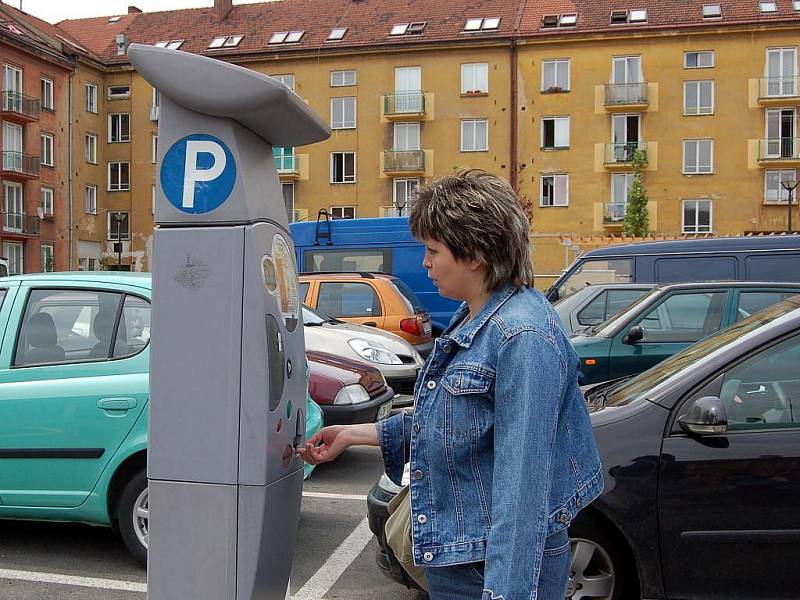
[337, 34]
[408, 28]
[767, 7]
[482, 24]
[712, 11]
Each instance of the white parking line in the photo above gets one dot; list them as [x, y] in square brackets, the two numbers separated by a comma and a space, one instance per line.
[88, 582]
[341, 558]
[334, 496]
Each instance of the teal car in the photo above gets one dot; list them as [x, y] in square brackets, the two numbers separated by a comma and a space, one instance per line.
[667, 320]
[74, 381]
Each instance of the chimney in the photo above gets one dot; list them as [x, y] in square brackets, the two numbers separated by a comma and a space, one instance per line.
[222, 8]
[132, 10]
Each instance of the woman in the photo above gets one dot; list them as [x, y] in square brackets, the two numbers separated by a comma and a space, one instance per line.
[500, 444]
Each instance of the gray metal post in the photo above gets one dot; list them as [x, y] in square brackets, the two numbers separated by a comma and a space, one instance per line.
[227, 378]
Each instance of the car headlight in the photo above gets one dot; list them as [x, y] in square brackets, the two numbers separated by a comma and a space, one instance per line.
[374, 352]
[390, 486]
[351, 394]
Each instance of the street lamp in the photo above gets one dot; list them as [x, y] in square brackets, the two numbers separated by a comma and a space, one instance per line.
[789, 185]
[118, 217]
[400, 204]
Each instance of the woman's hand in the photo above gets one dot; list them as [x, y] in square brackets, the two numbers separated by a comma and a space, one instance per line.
[325, 445]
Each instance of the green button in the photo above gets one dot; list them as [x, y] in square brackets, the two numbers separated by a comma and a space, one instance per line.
[289, 409]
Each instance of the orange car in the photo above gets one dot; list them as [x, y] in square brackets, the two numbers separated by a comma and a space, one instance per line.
[375, 299]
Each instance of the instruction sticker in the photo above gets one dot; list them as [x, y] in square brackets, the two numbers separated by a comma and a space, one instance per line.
[286, 278]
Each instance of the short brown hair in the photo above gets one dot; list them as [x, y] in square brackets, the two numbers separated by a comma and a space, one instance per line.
[478, 216]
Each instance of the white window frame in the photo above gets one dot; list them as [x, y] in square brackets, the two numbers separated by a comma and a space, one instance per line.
[685, 171]
[400, 133]
[16, 259]
[558, 65]
[42, 256]
[407, 183]
[475, 78]
[153, 199]
[48, 148]
[90, 199]
[698, 53]
[47, 200]
[90, 147]
[341, 210]
[554, 177]
[112, 231]
[48, 94]
[781, 196]
[155, 148]
[346, 178]
[119, 187]
[118, 129]
[628, 178]
[475, 148]
[343, 123]
[685, 227]
[346, 78]
[564, 122]
[701, 110]
[91, 97]
[118, 95]
[286, 79]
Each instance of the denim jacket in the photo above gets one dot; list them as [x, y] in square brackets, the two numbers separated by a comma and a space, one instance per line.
[501, 447]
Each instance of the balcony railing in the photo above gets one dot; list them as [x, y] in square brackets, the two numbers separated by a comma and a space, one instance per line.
[778, 87]
[404, 103]
[20, 223]
[402, 161]
[17, 162]
[785, 148]
[626, 93]
[14, 102]
[622, 153]
[614, 212]
[393, 211]
[286, 164]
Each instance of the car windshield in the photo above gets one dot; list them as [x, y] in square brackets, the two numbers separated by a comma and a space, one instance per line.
[312, 317]
[636, 386]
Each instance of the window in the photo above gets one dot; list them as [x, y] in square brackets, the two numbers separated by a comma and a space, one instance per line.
[780, 71]
[628, 16]
[618, 16]
[119, 127]
[119, 176]
[90, 148]
[554, 190]
[288, 199]
[133, 331]
[762, 392]
[88, 264]
[697, 216]
[773, 190]
[117, 225]
[475, 78]
[607, 304]
[287, 80]
[13, 207]
[348, 260]
[620, 187]
[47, 149]
[46, 201]
[348, 300]
[698, 60]
[293, 37]
[712, 11]
[47, 257]
[698, 97]
[170, 44]
[226, 41]
[336, 34]
[555, 132]
[482, 24]
[796, 5]
[474, 135]
[285, 159]
[343, 167]
[549, 21]
[752, 302]
[119, 92]
[599, 271]
[767, 7]
[91, 98]
[286, 37]
[684, 317]
[555, 75]
[90, 199]
[153, 199]
[155, 148]
[406, 137]
[403, 195]
[568, 20]
[65, 326]
[343, 113]
[343, 78]
[48, 101]
[13, 251]
[343, 212]
[698, 156]
[408, 28]
[627, 69]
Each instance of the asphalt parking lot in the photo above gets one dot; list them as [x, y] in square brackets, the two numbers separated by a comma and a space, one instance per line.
[334, 559]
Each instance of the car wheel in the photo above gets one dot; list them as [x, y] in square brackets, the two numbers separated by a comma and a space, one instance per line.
[133, 516]
[600, 567]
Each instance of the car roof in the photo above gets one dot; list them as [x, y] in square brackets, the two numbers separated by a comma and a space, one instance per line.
[725, 284]
[729, 244]
[347, 275]
[143, 280]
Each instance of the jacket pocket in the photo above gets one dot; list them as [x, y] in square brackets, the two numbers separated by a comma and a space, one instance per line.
[467, 410]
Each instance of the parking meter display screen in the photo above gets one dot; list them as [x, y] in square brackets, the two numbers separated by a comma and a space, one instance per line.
[286, 278]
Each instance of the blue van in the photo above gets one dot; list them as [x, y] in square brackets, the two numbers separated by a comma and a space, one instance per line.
[373, 245]
[754, 258]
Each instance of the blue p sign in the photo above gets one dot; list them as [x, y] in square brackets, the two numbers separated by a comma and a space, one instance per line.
[198, 174]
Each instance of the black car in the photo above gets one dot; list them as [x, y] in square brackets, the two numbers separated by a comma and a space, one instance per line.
[702, 466]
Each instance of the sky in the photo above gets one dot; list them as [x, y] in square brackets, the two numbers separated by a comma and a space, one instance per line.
[55, 11]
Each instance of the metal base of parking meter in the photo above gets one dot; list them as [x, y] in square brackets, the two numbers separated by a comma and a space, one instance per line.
[227, 357]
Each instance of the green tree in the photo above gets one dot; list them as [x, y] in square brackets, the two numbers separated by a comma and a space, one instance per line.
[637, 221]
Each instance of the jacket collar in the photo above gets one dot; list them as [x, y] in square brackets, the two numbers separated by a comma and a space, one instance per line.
[464, 336]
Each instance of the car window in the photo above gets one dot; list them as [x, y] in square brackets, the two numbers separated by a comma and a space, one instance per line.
[763, 392]
[302, 291]
[133, 331]
[620, 299]
[752, 302]
[3, 292]
[346, 261]
[684, 317]
[66, 325]
[348, 300]
[594, 312]
[410, 299]
[597, 271]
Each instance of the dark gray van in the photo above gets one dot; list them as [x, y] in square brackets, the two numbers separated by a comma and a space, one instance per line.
[754, 258]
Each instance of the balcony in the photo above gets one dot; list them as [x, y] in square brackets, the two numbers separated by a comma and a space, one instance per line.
[392, 211]
[626, 95]
[19, 225]
[776, 91]
[19, 166]
[404, 162]
[621, 155]
[19, 108]
[779, 151]
[404, 106]
[614, 214]
[288, 166]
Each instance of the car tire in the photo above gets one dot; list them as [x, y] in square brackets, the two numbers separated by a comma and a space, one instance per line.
[133, 516]
[601, 567]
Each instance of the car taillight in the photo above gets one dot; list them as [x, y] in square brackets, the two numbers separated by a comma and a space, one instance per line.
[412, 326]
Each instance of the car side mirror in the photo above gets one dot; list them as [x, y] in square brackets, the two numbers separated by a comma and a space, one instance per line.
[707, 416]
[635, 334]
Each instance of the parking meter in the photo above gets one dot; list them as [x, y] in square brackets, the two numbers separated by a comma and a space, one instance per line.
[227, 382]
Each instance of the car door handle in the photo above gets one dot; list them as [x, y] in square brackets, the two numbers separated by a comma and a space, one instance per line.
[116, 403]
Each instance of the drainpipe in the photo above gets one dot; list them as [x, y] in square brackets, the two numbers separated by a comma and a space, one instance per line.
[71, 217]
[514, 117]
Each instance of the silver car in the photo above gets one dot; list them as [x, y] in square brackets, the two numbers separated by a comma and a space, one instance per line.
[392, 355]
